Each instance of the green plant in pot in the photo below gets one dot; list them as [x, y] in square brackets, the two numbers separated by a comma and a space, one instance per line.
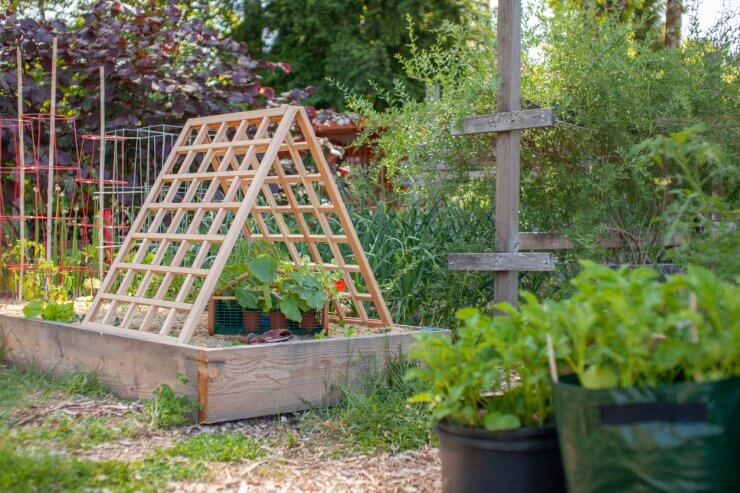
[652, 401]
[255, 294]
[303, 291]
[491, 399]
[285, 291]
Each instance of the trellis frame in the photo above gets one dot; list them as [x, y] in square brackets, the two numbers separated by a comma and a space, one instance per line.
[230, 163]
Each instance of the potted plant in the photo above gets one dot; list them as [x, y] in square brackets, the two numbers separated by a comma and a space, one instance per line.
[490, 398]
[256, 295]
[653, 401]
[303, 290]
[285, 291]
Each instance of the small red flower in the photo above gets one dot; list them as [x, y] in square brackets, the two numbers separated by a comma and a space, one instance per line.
[340, 285]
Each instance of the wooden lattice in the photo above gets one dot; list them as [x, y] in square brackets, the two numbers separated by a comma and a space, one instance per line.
[258, 174]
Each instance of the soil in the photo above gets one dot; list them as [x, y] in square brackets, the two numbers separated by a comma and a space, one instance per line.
[202, 338]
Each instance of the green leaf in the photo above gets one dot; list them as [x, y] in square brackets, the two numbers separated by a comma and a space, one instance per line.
[267, 297]
[469, 315]
[496, 421]
[248, 298]
[33, 309]
[316, 300]
[421, 397]
[290, 308]
[263, 268]
[598, 378]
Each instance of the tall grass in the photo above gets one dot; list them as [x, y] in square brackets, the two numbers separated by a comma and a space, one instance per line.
[407, 248]
[376, 417]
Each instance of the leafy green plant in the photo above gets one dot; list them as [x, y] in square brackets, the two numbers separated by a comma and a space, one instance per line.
[699, 185]
[302, 288]
[42, 279]
[257, 293]
[167, 408]
[619, 328]
[58, 312]
[293, 289]
[472, 381]
[626, 328]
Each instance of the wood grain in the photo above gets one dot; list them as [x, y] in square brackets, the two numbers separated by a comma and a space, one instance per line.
[133, 366]
[504, 122]
[506, 234]
[501, 262]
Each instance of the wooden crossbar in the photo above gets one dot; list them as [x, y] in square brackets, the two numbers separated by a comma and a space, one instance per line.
[301, 238]
[218, 147]
[146, 301]
[178, 237]
[192, 206]
[164, 269]
[249, 166]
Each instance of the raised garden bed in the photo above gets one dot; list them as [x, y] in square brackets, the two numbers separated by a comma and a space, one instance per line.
[230, 382]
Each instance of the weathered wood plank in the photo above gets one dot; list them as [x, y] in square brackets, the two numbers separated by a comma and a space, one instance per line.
[501, 262]
[506, 121]
[251, 381]
[133, 366]
[554, 240]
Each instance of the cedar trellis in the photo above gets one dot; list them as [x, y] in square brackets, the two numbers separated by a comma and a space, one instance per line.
[260, 174]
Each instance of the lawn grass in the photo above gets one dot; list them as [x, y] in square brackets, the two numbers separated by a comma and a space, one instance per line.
[77, 434]
[21, 386]
[218, 447]
[26, 469]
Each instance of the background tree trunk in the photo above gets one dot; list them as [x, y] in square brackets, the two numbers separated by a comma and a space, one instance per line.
[673, 10]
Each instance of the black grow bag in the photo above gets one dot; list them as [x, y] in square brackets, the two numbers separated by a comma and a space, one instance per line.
[674, 438]
[514, 461]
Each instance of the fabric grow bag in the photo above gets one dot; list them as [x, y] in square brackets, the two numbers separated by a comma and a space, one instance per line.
[674, 438]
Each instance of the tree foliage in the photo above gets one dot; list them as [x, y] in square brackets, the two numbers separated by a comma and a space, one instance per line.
[610, 89]
[161, 64]
[352, 43]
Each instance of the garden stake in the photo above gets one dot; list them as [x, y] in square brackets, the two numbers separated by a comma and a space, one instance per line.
[52, 153]
[22, 174]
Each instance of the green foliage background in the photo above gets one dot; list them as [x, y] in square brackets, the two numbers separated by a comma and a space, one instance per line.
[646, 146]
[353, 43]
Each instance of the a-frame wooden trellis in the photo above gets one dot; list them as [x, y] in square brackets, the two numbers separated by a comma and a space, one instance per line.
[258, 174]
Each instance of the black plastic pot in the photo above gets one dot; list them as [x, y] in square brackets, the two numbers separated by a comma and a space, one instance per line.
[513, 461]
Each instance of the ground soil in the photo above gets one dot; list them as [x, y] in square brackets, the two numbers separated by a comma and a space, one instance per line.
[310, 462]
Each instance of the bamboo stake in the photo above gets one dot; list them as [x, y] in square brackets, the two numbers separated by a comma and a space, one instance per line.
[101, 166]
[22, 175]
[52, 153]
[551, 359]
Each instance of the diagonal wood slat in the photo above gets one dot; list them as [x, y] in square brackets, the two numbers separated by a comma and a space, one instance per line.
[222, 171]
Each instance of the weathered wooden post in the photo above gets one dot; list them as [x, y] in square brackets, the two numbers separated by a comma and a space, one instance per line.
[506, 262]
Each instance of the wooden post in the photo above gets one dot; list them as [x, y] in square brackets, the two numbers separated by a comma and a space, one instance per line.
[506, 237]
[101, 177]
[508, 122]
[52, 149]
[22, 174]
